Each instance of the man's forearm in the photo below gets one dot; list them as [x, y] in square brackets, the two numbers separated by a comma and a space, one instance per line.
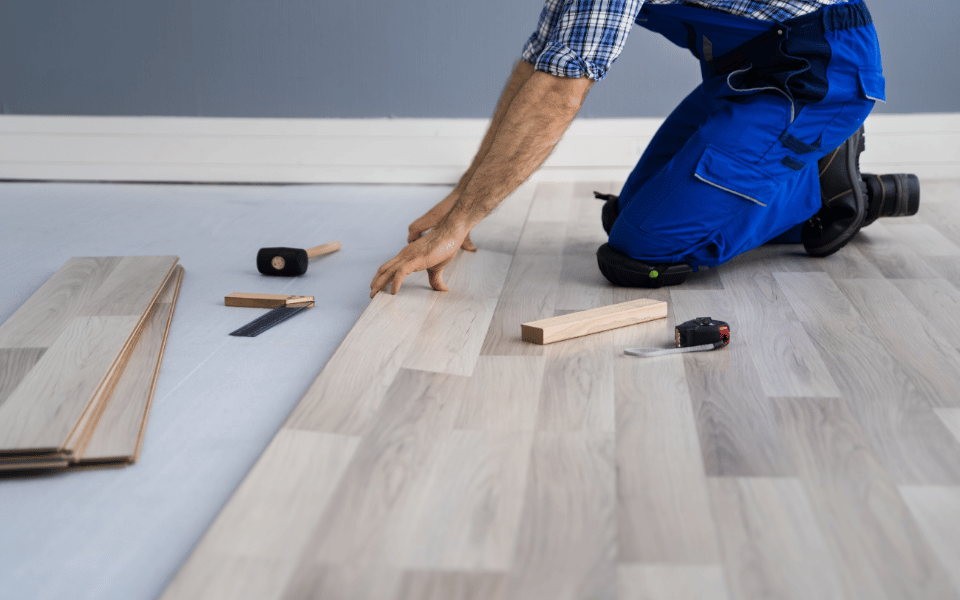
[521, 73]
[530, 128]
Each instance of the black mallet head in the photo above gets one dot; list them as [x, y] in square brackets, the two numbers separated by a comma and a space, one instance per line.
[287, 262]
[290, 262]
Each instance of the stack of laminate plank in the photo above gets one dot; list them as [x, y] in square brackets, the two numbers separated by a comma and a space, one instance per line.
[79, 362]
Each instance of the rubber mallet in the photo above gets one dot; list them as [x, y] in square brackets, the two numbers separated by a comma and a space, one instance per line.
[290, 262]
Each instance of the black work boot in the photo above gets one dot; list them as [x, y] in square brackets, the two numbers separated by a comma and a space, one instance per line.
[891, 195]
[611, 210]
[843, 197]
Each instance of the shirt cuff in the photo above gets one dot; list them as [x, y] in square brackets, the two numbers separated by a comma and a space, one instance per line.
[560, 60]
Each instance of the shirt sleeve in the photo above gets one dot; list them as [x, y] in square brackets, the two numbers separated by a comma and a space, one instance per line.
[580, 38]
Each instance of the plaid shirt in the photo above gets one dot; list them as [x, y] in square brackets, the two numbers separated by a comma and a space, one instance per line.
[582, 38]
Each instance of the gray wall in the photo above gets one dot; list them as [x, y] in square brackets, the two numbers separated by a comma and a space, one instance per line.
[368, 58]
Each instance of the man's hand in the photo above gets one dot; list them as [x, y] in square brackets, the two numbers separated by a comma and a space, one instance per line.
[431, 252]
[433, 217]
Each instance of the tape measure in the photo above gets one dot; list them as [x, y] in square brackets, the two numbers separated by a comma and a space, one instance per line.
[697, 335]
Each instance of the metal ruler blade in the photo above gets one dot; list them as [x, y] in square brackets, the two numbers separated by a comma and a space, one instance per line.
[261, 324]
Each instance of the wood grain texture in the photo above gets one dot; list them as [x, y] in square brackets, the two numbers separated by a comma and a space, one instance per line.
[772, 545]
[463, 514]
[57, 400]
[566, 545]
[39, 321]
[929, 359]
[903, 430]
[937, 512]
[671, 582]
[348, 391]
[663, 509]
[394, 453]
[118, 433]
[736, 423]
[456, 326]
[781, 466]
[786, 363]
[15, 363]
[895, 260]
[44, 409]
[874, 542]
[577, 391]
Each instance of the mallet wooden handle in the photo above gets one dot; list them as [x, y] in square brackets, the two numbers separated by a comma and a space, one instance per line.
[323, 249]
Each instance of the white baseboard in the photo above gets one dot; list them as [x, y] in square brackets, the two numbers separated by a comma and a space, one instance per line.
[425, 151]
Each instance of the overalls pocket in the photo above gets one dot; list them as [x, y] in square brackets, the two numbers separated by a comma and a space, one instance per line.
[726, 172]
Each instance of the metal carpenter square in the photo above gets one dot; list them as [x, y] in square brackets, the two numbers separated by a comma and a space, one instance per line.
[277, 315]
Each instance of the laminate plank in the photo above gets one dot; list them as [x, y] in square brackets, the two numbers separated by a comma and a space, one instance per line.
[530, 289]
[41, 413]
[663, 508]
[323, 581]
[737, 425]
[229, 577]
[942, 216]
[937, 511]
[877, 548]
[671, 582]
[567, 544]
[881, 246]
[772, 544]
[784, 356]
[529, 292]
[904, 433]
[452, 585]
[950, 418]
[577, 391]
[118, 435]
[924, 353]
[464, 513]
[131, 287]
[921, 238]
[582, 286]
[501, 229]
[937, 301]
[454, 330]
[394, 453]
[947, 267]
[15, 363]
[502, 395]
[551, 203]
[849, 263]
[39, 321]
[351, 387]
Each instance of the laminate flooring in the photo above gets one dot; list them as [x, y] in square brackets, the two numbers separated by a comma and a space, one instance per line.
[438, 456]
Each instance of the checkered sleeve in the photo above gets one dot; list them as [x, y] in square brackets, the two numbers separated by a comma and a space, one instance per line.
[580, 38]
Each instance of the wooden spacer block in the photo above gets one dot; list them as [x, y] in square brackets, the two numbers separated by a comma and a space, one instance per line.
[264, 300]
[595, 320]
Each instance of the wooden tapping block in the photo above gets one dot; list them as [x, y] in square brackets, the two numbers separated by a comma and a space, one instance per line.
[265, 300]
[595, 320]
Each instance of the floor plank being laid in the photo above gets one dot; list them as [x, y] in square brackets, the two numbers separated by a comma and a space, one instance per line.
[438, 456]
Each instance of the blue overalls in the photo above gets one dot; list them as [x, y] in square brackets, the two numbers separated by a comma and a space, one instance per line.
[735, 164]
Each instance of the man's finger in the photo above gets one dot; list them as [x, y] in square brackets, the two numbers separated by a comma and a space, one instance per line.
[468, 244]
[398, 278]
[435, 276]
